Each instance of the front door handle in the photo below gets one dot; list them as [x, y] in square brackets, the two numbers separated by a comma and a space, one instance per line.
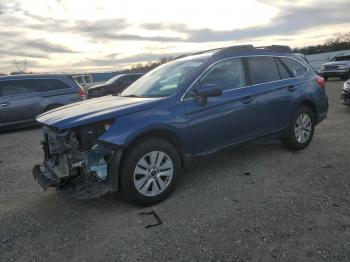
[247, 99]
[291, 88]
[4, 104]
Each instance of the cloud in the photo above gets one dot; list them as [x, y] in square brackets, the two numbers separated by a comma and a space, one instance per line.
[290, 21]
[46, 47]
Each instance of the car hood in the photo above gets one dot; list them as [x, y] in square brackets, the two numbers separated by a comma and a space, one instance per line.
[95, 110]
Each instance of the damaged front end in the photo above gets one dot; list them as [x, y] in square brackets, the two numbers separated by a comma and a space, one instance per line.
[76, 163]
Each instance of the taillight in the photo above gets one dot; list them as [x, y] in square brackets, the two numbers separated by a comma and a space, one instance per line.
[81, 92]
[320, 80]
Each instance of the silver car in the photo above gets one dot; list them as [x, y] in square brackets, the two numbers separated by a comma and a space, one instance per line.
[23, 97]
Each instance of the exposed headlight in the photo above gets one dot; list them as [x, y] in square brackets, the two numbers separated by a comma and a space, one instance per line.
[322, 66]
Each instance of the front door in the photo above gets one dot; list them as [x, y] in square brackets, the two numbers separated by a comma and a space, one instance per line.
[224, 119]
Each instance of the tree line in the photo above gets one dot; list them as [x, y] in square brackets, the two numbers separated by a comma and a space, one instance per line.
[340, 41]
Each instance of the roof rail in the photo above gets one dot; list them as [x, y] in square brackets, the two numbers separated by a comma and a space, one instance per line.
[197, 53]
[233, 49]
[276, 48]
[242, 48]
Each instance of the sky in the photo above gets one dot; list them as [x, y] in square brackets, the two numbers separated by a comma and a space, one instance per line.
[106, 35]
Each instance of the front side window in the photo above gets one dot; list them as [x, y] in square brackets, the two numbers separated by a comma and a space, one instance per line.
[164, 80]
[296, 68]
[16, 87]
[227, 75]
[262, 69]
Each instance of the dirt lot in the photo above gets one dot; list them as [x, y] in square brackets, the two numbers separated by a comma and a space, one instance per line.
[294, 206]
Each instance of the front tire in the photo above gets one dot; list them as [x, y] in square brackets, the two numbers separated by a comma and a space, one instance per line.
[150, 171]
[301, 130]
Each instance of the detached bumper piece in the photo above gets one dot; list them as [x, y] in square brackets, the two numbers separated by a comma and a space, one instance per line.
[44, 178]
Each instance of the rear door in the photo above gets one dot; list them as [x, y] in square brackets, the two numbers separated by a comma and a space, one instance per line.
[225, 119]
[276, 91]
[19, 102]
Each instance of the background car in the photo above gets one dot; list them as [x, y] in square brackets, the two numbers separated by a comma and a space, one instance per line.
[114, 85]
[338, 67]
[85, 81]
[345, 96]
[23, 97]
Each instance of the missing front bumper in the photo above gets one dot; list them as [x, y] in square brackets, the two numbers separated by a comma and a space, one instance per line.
[81, 175]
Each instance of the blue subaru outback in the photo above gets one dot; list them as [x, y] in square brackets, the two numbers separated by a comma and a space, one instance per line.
[138, 142]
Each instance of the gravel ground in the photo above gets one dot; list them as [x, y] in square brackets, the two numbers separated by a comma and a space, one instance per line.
[294, 206]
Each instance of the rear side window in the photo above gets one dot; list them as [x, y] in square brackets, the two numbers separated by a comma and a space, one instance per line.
[46, 85]
[228, 74]
[262, 69]
[282, 68]
[16, 87]
[296, 68]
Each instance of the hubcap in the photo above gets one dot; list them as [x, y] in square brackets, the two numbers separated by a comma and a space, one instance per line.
[153, 173]
[303, 128]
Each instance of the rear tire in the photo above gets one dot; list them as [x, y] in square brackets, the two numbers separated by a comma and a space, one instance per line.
[150, 171]
[301, 129]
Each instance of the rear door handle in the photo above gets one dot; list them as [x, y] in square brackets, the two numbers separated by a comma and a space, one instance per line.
[247, 99]
[291, 88]
[4, 104]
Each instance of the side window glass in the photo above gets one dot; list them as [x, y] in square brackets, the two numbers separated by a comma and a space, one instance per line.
[87, 79]
[295, 67]
[284, 71]
[16, 87]
[46, 85]
[263, 69]
[228, 75]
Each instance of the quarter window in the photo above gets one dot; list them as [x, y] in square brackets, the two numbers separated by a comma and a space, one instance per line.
[262, 69]
[228, 75]
[296, 68]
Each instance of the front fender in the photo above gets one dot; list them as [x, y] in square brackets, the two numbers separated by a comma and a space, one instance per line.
[125, 129]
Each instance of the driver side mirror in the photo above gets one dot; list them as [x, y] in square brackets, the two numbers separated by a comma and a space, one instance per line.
[209, 90]
[205, 91]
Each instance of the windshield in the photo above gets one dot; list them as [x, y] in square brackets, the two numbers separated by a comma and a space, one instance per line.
[113, 79]
[164, 80]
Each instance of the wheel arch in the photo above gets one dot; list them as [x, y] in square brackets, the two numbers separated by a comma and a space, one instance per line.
[165, 134]
[311, 105]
